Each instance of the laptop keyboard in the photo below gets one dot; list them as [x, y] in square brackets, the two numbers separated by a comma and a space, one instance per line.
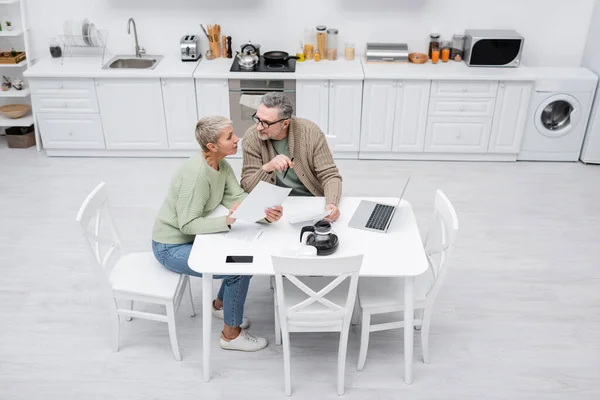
[379, 217]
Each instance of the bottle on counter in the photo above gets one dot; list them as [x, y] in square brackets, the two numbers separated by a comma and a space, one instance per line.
[434, 41]
[300, 53]
[332, 44]
[321, 41]
[349, 51]
[457, 47]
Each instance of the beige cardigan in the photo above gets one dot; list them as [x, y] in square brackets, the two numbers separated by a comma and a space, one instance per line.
[313, 162]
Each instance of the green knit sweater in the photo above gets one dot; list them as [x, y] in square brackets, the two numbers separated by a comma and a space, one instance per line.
[196, 190]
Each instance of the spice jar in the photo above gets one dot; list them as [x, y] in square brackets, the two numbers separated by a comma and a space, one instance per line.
[434, 41]
[332, 45]
[349, 51]
[321, 41]
[457, 47]
[309, 44]
[446, 46]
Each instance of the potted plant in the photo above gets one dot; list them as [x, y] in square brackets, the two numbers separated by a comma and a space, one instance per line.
[9, 26]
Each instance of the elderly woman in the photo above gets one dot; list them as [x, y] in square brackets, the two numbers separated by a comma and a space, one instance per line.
[202, 183]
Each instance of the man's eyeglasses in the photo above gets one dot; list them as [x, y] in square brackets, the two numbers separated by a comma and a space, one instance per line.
[265, 124]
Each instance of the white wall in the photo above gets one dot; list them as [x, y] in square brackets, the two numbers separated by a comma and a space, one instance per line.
[555, 30]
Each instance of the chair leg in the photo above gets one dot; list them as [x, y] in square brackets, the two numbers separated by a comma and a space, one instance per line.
[419, 315]
[131, 308]
[341, 369]
[271, 278]
[287, 363]
[172, 330]
[189, 287]
[425, 335]
[356, 313]
[116, 325]
[277, 324]
[364, 340]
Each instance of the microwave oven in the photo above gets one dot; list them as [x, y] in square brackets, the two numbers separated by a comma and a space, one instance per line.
[493, 48]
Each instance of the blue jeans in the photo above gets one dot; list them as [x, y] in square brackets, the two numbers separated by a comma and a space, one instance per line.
[234, 288]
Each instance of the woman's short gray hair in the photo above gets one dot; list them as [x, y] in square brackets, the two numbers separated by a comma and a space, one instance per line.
[280, 101]
[208, 129]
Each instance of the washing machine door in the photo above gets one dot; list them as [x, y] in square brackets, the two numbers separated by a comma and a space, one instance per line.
[557, 115]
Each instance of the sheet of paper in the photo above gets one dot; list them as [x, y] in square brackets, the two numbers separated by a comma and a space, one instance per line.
[244, 231]
[264, 195]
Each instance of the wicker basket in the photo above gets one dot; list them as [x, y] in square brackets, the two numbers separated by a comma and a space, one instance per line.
[418, 58]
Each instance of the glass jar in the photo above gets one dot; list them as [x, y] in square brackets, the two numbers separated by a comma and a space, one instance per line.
[349, 53]
[434, 41]
[457, 47]
[445, 50]
[332, 44]
[321, 41]
[309, 44]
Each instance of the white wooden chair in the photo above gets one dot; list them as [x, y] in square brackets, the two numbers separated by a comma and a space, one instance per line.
[385, 295]
[131, 277]
[314, 304]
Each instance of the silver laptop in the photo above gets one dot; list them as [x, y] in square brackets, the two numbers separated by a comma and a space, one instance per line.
[373, 216]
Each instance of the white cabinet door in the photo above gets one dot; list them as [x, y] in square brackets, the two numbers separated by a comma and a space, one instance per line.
[377, 130]
[181, 114]
[410, 121]
[71, 131]
[510, 116]
[312, 102]
[213, 97]
[458, 134]
[132, 114]
[345, 104]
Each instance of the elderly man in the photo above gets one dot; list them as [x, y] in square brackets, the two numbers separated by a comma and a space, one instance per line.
[291, 152]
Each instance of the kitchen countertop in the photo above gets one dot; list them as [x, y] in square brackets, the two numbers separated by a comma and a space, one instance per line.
[444, 71]
[86, 67]
[339, 69]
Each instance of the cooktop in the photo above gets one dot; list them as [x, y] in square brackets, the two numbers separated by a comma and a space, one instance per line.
[284, 66]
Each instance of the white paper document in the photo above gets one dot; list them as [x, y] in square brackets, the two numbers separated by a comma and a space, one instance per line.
[244, 231]
[264, 195]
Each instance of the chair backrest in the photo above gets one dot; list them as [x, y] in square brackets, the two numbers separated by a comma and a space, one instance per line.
[98, 229]
[299, 314]
[439, 242]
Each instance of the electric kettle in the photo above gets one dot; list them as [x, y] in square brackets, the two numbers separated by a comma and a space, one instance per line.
[322, 237]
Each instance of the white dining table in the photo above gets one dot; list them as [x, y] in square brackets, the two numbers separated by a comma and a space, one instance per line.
[397, 253]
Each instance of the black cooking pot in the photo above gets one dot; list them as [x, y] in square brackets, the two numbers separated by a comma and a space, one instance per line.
[277, 57]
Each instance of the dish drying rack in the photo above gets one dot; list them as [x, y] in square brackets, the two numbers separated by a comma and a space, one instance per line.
[93, 47]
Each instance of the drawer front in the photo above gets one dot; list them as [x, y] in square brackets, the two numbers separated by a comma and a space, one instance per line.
[53, 104]
[458, 135]
[68, 131]
[464, 88]
[63, 87]
[461, 107]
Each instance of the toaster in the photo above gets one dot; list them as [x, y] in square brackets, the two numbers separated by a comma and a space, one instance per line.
[190, 48]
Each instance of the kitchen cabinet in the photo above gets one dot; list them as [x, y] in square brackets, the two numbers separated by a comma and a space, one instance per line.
[132, 113]
[71, 131]
[512, 106]
[410, 117]
[379, 104]
[345, 109]
[457, 134]
[312, 102]
[181, 113]
[394, 115]
[212, 96]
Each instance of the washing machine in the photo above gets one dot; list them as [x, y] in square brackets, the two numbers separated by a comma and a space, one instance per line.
[558, 114]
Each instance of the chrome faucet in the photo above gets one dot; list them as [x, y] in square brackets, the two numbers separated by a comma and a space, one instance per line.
[139, 51]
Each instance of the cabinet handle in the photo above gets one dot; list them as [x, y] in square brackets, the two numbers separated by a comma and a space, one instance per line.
[399, 84]
[458, 135]
[462, 108]
[60, 85]
[394, 85]
[465, 90]
[331, 85]
[97, 83]
[164, 82]
[502, 85]
[65, 105]
[70, 132]
[225, 84]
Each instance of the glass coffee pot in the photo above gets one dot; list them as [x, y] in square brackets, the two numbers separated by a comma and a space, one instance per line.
[323, 238]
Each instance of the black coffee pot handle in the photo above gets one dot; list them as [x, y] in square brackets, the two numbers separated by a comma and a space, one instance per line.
[306, 229]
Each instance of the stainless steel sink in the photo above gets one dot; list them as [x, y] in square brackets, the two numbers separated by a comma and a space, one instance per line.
[133, 62]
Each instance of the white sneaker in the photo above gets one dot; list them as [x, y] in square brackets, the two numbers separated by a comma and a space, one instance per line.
[244, 342]
[219, 314]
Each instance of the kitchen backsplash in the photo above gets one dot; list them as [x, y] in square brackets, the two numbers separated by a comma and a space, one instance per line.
[554, 30]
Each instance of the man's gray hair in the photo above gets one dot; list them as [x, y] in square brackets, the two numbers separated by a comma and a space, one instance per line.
[280, 101]
[208, 130]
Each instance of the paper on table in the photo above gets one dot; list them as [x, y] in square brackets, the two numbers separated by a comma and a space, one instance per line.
[263, 196]
[244, 231]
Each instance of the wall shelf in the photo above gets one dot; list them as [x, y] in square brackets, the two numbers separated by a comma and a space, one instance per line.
[23, 121]
[15, 93]
[13, 33]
